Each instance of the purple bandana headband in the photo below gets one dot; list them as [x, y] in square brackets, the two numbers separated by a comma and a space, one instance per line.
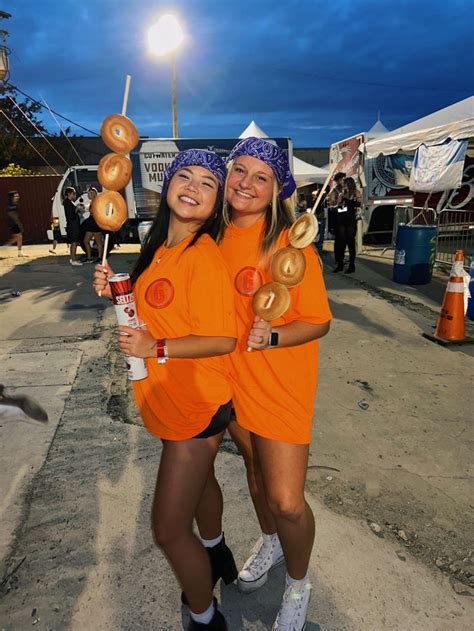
[196, 157]
[273, 156]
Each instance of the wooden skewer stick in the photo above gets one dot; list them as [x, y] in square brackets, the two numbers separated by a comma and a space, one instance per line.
[321, 192]
[124, 112]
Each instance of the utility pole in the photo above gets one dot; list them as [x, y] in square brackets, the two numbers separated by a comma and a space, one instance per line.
[4, 52]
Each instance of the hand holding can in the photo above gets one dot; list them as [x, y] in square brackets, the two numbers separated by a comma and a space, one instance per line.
[126, 312]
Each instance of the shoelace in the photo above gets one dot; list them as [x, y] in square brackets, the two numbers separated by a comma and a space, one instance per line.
[293, 597]
[259, 546]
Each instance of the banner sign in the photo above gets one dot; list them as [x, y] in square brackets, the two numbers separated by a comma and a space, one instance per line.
[439, 167]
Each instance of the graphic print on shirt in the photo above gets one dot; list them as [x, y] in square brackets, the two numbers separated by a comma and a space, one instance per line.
[248, 280]
[160, 293]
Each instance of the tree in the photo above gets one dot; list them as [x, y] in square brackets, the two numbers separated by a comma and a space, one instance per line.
[13, 147]
[14, 169]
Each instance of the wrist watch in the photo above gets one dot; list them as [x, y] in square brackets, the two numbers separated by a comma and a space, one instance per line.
[273, 339]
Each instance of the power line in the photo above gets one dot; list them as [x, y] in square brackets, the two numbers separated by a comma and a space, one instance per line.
[14, 87]
[38, 130]
[30, 143]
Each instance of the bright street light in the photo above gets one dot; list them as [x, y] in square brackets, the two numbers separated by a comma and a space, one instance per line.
[164, 38]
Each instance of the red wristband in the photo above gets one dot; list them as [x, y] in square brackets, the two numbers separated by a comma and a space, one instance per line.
[161, 351]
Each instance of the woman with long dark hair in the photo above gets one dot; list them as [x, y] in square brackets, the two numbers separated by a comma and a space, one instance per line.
[184, 295]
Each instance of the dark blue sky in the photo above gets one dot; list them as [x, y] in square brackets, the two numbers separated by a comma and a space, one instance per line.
[317, 71]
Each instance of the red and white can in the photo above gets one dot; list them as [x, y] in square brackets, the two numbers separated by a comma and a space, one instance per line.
[126, 312]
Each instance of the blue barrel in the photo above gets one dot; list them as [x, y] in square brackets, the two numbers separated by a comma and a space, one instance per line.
[415, 248]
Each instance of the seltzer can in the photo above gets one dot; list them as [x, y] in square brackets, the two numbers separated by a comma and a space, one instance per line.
[126, 312]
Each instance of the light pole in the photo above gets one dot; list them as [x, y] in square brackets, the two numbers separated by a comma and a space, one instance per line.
[164, 38]
[4, 52]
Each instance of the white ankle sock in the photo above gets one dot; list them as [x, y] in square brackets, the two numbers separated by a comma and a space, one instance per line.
[210, 543]
[298, 584]
[269, 538]
[206, 616]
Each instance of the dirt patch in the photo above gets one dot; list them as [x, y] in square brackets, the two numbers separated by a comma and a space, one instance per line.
[396, 514]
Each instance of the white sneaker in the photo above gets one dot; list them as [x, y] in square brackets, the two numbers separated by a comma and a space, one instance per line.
[265, 555]
[293, 610]
[23, 256]
[77, 263]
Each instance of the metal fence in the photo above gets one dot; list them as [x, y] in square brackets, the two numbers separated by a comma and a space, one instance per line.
[455, 232]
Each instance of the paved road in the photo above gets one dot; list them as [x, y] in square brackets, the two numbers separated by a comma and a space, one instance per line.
[75, 503]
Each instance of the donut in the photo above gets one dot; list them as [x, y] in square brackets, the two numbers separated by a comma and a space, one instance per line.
[115, 171]
[109, 211]
[271, 301]
[304, 231]
[119, 133]
[288, 266]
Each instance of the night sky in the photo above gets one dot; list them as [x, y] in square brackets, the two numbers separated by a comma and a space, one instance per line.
[312, 70]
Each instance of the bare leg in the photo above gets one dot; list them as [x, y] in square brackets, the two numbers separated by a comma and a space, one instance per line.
[73, 248]
[283, 468]
[242, 439]
[209, 511]
[19, 241]
[99, 244]
[87, 244]
[184, 469]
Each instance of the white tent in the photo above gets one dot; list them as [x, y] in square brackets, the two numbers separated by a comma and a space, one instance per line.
[455, 122]
[253, 130]
[377, 129]
[303, 172]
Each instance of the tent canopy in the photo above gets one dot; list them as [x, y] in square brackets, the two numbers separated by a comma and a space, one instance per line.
[455, 122]
[303, 172]
[254, 131]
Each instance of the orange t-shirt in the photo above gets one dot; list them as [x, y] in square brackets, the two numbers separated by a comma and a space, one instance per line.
[273, 390]
[184, 292]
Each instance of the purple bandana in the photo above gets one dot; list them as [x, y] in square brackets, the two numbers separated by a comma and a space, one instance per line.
[196, 157]
[270, 154]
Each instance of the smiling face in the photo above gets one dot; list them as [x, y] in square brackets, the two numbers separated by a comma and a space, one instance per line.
[249, 187]
[192, 194]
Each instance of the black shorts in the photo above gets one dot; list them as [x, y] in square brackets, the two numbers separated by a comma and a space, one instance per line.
[14, 224]
[219, 422]
[89, 225]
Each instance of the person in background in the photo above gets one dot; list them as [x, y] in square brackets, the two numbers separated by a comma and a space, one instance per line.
[72, 223]
[301, 206]
[14, 222]
[321, 212]
[332, 201]
[92, 230]
[56, 234]
[348, 204]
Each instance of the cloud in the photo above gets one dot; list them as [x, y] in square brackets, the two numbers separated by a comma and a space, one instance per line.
[304, 68]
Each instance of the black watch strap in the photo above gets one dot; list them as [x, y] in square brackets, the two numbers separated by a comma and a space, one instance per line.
[273, 339]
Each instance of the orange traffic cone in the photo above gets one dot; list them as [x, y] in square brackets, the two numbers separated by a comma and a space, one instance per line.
[450, 325]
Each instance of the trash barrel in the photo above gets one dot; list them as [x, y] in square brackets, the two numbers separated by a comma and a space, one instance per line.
[415, 248]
